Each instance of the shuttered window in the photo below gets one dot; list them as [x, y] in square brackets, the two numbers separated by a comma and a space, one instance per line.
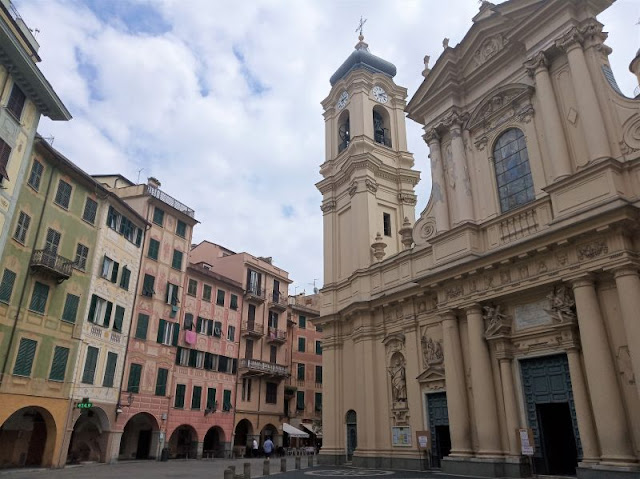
[70, 308]
[302, 345]
[6, 286]
[206, 292]
[82, 253]
[176, 263]
[195, 397]
[20, 234]
[181, 229]
[300, 400]
[302, 322]
[125, 278]
[154, 249]
[135, 371]
[5, 153]
[63, 195]
[110, 370]
[148, 285]
[301, 371]
[161, 382]
[118, 319]
[168, 333]
[158, 216]
[318, 401]
[35, 176]
[53, 241]
[39, 298]
[318, 347]
[234, 302]
[90, 210]
[141, 327]
[220, 298]
[24, 360]
[226, 400]
[90, 365]
[59, 363]
[16, 101]
[211, 398]
[180, 390]
[192, 288]
[319, 374]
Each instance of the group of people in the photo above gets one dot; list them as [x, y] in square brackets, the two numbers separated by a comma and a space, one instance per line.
[267, 447]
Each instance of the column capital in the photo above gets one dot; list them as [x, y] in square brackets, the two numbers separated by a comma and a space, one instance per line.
[475, 308]
[570, 40]
[431, 136]
[584, 280]
[537, 64]
[448, 315]
[625, 270]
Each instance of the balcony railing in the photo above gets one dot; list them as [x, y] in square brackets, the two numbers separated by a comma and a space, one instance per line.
[255, 294]
[51, 264]
[276, 335]
[251, 328]
[170, 200]
[262, 367]
[277, 300]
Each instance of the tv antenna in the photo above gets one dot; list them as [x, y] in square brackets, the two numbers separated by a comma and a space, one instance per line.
[139, 171]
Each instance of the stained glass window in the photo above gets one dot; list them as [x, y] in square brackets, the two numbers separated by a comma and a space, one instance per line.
[513, 175]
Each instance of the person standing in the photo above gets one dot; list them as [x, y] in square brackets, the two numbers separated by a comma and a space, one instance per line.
[254, 448]
[268, 447]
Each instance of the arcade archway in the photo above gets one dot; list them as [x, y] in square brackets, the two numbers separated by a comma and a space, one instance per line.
[213, 444]
[140, 437]
[27, 438]
[183, 443]
[89, 438]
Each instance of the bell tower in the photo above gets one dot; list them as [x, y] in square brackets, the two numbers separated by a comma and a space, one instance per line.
[368, 182]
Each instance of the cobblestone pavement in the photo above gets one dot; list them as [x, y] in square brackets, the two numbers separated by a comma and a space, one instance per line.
[207, 469]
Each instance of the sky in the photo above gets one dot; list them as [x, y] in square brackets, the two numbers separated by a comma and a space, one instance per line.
[220, 100]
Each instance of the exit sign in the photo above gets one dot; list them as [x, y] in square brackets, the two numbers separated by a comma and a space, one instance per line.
[84, 404]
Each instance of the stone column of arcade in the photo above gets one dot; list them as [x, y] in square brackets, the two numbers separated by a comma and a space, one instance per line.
[458, 408]
[610, 421]
[628, 285]
[439, 187]
[484, 397]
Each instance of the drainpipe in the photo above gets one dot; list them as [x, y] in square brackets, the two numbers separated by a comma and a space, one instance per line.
[26, 280]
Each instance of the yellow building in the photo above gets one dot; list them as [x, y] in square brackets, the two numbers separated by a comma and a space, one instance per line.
[503, 321]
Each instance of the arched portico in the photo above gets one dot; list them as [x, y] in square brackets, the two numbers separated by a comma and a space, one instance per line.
[183, 443]
[27, 438]
[213, 444]
[140, 437]
[90, 437]
[242, 437]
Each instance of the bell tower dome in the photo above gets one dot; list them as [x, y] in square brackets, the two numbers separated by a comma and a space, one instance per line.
[368, 181]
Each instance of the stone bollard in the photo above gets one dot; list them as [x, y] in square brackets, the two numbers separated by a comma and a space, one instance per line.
[297, 462]
[283, 464]
[247, 470]
[228, 473]
[265, 467]
[309, 460]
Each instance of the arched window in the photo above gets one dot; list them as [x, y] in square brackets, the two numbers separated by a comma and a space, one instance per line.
[381, 133]
[344, 134]
[513, 175]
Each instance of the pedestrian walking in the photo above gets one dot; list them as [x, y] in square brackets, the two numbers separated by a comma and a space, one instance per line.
[268, 447]
[254, 448]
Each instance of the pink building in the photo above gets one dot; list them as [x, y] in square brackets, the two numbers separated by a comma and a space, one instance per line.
[201, 413]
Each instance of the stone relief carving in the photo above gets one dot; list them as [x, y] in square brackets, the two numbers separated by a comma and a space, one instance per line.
[592, 250]
[497, 322]
[562, 306]
[431, 352]
[407, 198]
[542, 267]
[562, 257]
[328, 205]
[489, 48]
[353, 188]
[631, 136]
[454, 292]
[371, 185]
[505, 276]
[428, 229]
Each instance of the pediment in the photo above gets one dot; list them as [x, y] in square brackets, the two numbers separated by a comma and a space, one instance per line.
[431, 374]
[499, 101]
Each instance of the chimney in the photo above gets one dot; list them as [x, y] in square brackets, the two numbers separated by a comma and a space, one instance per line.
[154, 182]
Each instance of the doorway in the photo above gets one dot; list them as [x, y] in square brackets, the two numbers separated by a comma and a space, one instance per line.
[557, 440]
[144, 444]
[352, 433]
[438, 415]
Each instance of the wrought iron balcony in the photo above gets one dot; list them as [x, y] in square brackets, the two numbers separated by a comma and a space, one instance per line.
[50, 264]
[255, 294]
[276, 335]
[252, 329]
[262, 368]
[278, 300]
[170, 200]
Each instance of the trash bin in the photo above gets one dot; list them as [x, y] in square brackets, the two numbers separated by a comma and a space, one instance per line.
[164, 455]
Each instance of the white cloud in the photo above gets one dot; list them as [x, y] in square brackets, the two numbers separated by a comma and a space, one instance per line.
[221, 100]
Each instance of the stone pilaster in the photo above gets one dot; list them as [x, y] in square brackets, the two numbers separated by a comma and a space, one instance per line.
[484, 398]
[461, 182]
[510, 404]
[610, 421]
[628, 285]
[456, 389]
[558, 153]
[439, 185]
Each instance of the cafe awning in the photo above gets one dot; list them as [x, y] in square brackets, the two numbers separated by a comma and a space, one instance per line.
[317, 431]
[293, 431]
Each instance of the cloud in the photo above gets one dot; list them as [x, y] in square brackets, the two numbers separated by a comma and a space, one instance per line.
[221, 100]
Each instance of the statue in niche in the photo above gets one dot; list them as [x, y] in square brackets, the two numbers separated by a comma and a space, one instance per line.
[562, 305]
[398, 380]
[496, 320]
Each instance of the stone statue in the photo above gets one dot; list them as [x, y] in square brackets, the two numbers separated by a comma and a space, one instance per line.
[494, 317]
[562, 305]
[431, 352]
[398, 381]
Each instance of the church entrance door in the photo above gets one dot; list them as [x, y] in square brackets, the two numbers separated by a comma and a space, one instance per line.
[439, 426]
[352, 433]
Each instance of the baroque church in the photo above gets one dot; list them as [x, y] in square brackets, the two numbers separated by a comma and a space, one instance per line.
[497, 334]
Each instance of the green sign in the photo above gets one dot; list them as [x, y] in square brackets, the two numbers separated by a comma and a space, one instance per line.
[85, 404]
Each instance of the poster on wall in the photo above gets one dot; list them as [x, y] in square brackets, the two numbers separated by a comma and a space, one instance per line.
[424, 440]
[401, 436]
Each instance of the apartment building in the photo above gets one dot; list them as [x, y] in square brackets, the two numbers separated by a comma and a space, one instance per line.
[264, 354]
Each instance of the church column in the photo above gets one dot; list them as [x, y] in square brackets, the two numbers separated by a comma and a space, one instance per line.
[628, 285]
[590, 116]
[590, 450]
[510, 404]
[551, 122]
[439, 185]
[460, 180]
[484, 398]
[610, 421]
[458, 408]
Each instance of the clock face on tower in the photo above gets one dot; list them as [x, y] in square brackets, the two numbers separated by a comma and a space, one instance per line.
[379, 94]
[342, 101]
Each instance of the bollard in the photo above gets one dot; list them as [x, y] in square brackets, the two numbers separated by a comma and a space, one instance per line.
[309, 460]
[283, 464]
[265, 467]
[228, 473]
[247, 470]
[297, 462]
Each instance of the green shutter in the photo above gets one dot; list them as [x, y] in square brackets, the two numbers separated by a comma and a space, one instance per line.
[24, 360]
[161, 382]
[133, 386]
[177, 259]
[90, 365]
[154, 248]
[199, 324]
[210, 328]
[234, 302]
[6, 286]
[220, 298]
[107, 314]
[318, 401]
[110, 370]
[226, 400]
[301, 345]
[192, 358]
[118, 319]
[302, 322]
[217, 329]
[158, 216]
[161, 327]
[176, 332]
[318, 347]
[114, 272]
[92, 309]
[59, 363]
[211, 398]
[300, 400]
[319, 374]
[195, 397]
[180, 390]
[124, 279]
[70, 308]
[39, 297]
[141, 327]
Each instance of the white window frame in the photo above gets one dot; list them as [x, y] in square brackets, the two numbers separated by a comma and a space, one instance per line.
[231, 333]
[98, 313]
[184, 357]
[200, 359]
[107, 267]
[170, 294]
[168, 333]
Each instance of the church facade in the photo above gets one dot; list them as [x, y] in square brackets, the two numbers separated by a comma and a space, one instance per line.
[503, 321]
